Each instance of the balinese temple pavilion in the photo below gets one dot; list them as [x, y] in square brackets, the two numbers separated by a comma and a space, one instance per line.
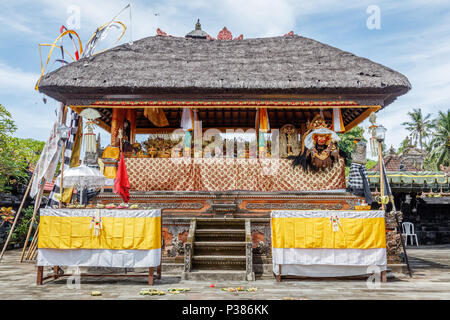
[147, 89]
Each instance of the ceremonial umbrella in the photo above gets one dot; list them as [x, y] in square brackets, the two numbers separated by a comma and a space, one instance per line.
[82, 177]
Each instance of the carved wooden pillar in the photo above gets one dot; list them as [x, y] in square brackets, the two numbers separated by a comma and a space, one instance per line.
[118, 116]
[131, 116]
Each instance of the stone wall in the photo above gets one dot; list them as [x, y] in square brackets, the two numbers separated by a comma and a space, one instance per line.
[394, 249]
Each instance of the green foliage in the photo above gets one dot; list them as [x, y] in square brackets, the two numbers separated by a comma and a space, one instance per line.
[438, 130]
[20, 232]
[16, 154]
[440, 143]
[7, 126]
[370, 164]
[418, 126]
[403, 146]
[347, 141]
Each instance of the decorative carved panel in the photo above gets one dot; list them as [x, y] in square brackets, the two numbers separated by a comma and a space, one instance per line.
[175, 205]
[298, 206]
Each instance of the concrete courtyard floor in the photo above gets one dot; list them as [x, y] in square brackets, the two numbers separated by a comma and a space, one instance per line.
[430, 264]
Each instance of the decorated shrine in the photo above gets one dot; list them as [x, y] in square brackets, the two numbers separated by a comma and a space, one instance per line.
[226, 127]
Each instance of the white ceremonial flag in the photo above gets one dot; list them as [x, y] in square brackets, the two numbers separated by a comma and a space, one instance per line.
[48, 161]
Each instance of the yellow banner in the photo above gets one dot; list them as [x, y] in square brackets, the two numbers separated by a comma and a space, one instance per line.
[116, 233]
[350, 233]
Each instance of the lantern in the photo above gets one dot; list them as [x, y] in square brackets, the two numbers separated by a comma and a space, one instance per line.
[380, 133]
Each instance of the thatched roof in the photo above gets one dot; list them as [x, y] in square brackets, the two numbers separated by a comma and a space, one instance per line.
[290, 64]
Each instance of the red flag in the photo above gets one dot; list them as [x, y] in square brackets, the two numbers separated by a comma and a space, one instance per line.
[121, 183]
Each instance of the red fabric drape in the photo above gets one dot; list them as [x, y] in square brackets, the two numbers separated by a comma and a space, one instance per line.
[121, 183]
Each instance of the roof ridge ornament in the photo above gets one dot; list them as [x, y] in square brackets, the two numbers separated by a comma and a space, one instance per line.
[224, 34]
[161, 33]
[197, 33]
[198, 26]
[289, 34]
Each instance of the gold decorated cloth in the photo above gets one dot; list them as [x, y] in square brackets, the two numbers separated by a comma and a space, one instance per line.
[328, 243]
[127, 238]
[110, 159]
[185, 174]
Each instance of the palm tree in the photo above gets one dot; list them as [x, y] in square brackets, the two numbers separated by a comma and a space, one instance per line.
[403, 146]
[418, 126]
[441, 139]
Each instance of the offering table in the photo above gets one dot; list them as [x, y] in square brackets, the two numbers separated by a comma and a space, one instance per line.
[118, 238]
[328, 243]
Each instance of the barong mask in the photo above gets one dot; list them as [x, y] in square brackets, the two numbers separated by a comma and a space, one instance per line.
[319, 147]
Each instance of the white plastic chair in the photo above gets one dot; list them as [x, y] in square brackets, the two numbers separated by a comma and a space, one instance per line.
[408, 230]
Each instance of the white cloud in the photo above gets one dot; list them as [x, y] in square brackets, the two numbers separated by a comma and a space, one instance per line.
[421, 53]
[16, 81]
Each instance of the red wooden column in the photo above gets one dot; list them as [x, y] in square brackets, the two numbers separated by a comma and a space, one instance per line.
[131, 116]
[118, 117]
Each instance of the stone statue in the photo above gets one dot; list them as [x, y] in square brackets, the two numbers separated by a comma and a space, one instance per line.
[289, 142]
[359, 154]
[358, 183]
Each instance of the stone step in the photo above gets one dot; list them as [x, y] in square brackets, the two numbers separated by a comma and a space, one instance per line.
[220, 225]
[263, 271]
[214, 275]
[218, 258]
[219, 262]
[227, 220]
[222, 248]
[171, 267]
[220, 235]
[219, 243]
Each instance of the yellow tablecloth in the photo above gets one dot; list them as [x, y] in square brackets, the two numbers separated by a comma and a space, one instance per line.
[328, 240]
[128, 238]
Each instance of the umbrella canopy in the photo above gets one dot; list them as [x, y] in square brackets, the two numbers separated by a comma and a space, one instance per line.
[83, 177]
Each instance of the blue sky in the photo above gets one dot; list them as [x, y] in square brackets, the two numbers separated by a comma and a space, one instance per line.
[414, 39]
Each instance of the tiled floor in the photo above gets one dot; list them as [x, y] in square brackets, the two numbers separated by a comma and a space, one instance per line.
[431, 280]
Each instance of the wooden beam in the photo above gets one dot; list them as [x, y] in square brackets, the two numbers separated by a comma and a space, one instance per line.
[361, 118]
[222, 106]
[103, 125]
[170, 130]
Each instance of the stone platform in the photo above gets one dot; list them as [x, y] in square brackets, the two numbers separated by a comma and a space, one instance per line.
[431, 280]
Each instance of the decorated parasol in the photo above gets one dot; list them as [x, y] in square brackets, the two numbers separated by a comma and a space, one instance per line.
[90, 115]
[82, 177]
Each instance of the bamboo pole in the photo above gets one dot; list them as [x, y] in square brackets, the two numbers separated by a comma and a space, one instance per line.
[33, 251]
[61, 189]
[63, 122]
[36, 208]
[33, 244]
[34, 257]
[16, 218]
[380, 154]
[30, 248]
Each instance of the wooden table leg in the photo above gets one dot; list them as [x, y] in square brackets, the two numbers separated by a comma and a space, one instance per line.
[55, 272]
[158, 272]
[150, 276]
[383, 276]
[278, 277]
[40, 275]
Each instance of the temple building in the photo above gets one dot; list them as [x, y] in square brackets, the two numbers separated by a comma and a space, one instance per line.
[423, 196]
[276, 90]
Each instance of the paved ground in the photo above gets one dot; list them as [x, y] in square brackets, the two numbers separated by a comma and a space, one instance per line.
[431, 280]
